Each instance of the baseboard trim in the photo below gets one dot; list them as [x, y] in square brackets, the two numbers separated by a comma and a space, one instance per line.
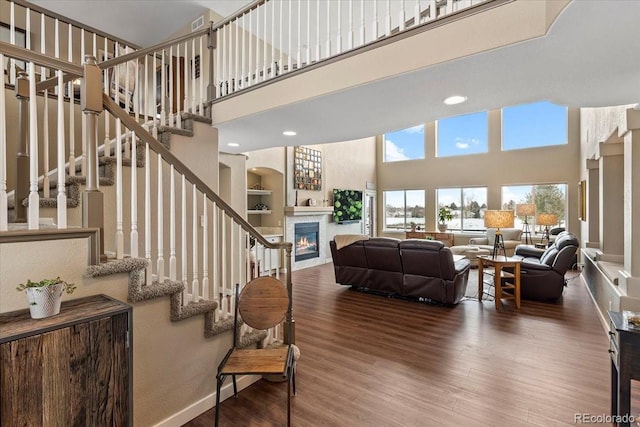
[190, 412]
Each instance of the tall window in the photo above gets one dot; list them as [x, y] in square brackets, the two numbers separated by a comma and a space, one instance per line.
[548, 198]
[401, 208]
[405, 144]
[467, 207]
[460, 135]
[539, 124]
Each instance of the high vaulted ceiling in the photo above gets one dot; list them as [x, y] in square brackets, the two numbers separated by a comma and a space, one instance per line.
[590, 57]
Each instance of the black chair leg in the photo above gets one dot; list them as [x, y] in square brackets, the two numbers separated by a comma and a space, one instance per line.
[293, 378]
[218, 387]
[235, 387]
[289, 401]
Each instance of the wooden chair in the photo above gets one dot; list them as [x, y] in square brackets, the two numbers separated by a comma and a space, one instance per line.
[263, 304]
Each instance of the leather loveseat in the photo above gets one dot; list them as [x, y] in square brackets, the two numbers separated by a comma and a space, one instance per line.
[542, 270]
[414, 267]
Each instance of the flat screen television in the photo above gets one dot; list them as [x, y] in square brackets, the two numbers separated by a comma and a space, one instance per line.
[347, 206]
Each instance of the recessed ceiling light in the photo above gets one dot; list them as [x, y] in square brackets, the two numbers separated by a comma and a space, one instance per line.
[456, 99]
[233, 144]
[289, 133]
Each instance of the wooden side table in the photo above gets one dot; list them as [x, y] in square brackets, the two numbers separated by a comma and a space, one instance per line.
[512, 282]
[444, 237]
[624, 347]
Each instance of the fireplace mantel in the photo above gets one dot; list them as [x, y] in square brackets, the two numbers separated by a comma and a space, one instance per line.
[307, 210]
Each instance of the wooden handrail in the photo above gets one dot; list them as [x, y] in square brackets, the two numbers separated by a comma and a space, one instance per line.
[21, 53]
[181, 168]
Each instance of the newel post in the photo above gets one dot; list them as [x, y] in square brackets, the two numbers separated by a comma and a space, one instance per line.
[91, 105]
[22, 156]
[290, 324]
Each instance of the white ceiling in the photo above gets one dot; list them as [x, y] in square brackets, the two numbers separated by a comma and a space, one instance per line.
[589, 58]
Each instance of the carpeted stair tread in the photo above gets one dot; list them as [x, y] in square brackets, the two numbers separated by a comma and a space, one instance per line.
[125, 162]
[125, 265]
[157, 289]
[251, 338]
[175, 131]
[180, 312]
[196, 118]
[212, 329]
[82, 180]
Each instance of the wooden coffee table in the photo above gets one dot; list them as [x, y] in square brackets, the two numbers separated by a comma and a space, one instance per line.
[512, 281]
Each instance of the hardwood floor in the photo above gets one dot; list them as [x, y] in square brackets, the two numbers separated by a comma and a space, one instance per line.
[368, 360]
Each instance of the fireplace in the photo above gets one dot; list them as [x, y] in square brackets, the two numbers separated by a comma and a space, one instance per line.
[306, 241]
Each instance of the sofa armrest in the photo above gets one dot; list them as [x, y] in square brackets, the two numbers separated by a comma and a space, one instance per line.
[529, 265]
[461, 265]
[511, 244]
[527, 251]
[478, 241]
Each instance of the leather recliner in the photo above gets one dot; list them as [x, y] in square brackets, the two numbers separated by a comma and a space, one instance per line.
[542, 270]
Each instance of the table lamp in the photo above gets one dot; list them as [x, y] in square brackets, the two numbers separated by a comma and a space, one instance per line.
[526, 210]
[498, 220]
[546, 219]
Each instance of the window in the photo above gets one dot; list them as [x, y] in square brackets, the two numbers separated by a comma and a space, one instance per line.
[548, 198]
[405, 144]
[461, 135]
[539, 124]
[467, 206]
[401, 208]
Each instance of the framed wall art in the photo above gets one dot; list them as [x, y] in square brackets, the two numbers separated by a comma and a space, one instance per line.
[307, 169]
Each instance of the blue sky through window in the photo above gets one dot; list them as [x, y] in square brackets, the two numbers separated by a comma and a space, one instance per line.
[539, 124]
[405, 144]
[461, 135]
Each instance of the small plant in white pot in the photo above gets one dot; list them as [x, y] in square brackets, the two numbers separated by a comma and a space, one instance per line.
[45, 296]
[444, 215]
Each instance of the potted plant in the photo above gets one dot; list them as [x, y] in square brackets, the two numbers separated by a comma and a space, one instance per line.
[412, 225]
[444, 215]
[45, 296]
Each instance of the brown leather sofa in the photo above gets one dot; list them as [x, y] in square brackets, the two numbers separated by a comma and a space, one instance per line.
[542, 270]
[414, 267]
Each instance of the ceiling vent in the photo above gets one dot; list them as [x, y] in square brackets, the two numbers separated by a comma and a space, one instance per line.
[197, 23]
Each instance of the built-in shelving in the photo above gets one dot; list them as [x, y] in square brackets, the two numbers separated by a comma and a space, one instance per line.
[251, 192]
[258, 212]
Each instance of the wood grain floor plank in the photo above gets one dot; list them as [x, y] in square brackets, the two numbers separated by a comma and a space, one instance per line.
[368, 360]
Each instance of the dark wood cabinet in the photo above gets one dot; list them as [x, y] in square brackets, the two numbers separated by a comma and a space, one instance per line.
[624, 347]
[73, 369]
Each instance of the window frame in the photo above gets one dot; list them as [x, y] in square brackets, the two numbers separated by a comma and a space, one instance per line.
[462, 229]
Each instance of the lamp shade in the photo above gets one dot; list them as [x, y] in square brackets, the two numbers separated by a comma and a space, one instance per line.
[525, 209]
[547, 219]
[498, 219]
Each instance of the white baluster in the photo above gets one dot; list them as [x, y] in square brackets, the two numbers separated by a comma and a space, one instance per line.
[119, 197]
[186, 77]
[273, 40]
[247, 255]
[45, 125]
[201, 69]
[250, 56]
[243, 61]
[363, 35]
[163, 91]
[147, 212]
[387, 20]
[224, 306]
[402, 16]
[278, 252]
[317, 30]
[239, 256]
[179, 77]
[433, 10]
[374, 24]
[170, 78]
[231, 84]
[236, 51]
[72, 128]
[95, 45]
[134, 197]
[185, 292]
[4, 220]
[299, 53]
[350, 33]
[215, 253]
[145, 95]
[83, 118]
[308, 33]
[281, 26]
[231, 286]
[328, 50]
[218, 66]
[160, 261]
[154, 113]
[194, 234]
[12, 40]
[290, 33]
[34, 198]
[193, 76]
[105, 78]
[339, 35]
[172, 227]
[205, 247]
[264, 39]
